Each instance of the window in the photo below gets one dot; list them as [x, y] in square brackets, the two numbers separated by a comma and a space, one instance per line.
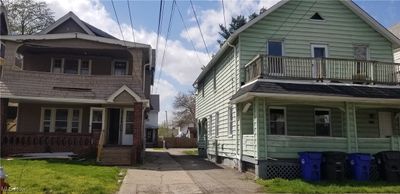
[46, 120]
[361, 55]
[76, 117]
[322, 122]
[216, 124]
[71, 66]
[129, 122]
[120, 67]
[97, 119]
[85, 67]
[210, 126]
[2, 50]
[61, 122]
[275, 63]
[57, 65]
[230, 120]
[277, 121]
[316, 16]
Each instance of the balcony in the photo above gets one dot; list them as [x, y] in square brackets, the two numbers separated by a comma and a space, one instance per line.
[321, 69]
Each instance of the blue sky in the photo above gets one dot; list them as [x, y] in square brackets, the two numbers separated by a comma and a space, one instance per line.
[182, 63]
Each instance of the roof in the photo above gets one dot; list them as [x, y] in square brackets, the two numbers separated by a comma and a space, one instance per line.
[155, 102]
[348, 3]
[89, 29]
[321, 89]
[395, 30]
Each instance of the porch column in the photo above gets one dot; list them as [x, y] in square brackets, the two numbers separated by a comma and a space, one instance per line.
[138, 131]
[3, 120]
[351, 127]
[260, 137]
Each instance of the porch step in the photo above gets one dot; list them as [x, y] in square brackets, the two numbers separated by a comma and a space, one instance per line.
[116, 156]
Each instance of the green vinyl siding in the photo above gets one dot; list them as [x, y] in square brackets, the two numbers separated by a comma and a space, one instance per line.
[216, 99]
[367, 123]
[341, 30]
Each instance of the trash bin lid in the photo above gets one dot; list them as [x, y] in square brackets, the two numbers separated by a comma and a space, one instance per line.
[311, 155]
[361, 156]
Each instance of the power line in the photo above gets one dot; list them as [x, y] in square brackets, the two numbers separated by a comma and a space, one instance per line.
[198, 25]
[130, 18]
[160, 20]
[187, 32]
[223, 11]
[119, 25]
[166, 42]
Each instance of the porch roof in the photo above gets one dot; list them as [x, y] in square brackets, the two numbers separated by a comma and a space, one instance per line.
[319, 89]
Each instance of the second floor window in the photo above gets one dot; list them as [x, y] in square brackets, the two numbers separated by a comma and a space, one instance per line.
[120, 68]
[57, 65]
[275, 64]
[71, 66]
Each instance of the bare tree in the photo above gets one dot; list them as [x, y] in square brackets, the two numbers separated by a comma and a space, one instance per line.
[27, 16]
[185, 109]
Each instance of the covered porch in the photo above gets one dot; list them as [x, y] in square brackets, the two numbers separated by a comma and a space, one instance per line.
[275, 126]
[86, 128]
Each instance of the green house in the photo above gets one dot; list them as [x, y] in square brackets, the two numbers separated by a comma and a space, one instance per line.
[303, 76]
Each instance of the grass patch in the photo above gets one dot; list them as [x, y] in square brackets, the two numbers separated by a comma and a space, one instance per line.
[299, 186]
[60, 176]
[158, 148]
[192, 152]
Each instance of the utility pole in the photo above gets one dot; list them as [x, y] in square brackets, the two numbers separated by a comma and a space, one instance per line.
[166, 118]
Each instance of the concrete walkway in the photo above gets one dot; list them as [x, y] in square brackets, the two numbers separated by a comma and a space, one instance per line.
[184, 174]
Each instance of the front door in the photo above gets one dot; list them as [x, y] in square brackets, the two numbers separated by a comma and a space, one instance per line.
[319, 52]
[385, 124]
[113, 126]
[127, 132]
[149, 135]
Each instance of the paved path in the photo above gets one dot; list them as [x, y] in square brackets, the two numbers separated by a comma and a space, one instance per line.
[173, 172]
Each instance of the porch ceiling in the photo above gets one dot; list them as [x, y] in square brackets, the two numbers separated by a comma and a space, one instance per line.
[376, 93]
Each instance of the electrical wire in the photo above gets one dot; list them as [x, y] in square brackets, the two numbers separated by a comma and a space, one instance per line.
[198, 25]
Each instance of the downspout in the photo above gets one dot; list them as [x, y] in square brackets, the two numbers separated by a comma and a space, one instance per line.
[239, 140]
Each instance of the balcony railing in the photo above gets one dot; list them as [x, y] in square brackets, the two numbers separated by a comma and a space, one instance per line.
[307, 68]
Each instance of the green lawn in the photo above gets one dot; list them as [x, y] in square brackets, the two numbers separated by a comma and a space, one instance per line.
[299, 186]
[60, 176]
[192, 152]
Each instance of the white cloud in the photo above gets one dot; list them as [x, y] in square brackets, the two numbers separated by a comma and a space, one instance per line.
[211, 18]
[167, 93]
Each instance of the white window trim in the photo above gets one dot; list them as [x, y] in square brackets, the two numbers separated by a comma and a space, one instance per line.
[230, 121]
[53, 119]
[277, 40]
[91, 117]
[216, 124]
[362, 45]
[62, 64]
[318, 45]
[124, 120]
[210, 118]
[80, 66]
[113, 67]
[269, 118]
[330, 121]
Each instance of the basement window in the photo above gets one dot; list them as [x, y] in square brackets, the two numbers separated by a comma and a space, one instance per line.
[317, 16]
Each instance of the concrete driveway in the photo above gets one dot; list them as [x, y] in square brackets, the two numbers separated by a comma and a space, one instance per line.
[171, 171]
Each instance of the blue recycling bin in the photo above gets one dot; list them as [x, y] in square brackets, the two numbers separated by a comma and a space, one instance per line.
[360, 166]
[310, 165]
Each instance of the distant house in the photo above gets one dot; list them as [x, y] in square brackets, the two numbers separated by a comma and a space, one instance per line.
[151, 123]
[302, 76]
[73, 87]
[396, 31]
[188, 131]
